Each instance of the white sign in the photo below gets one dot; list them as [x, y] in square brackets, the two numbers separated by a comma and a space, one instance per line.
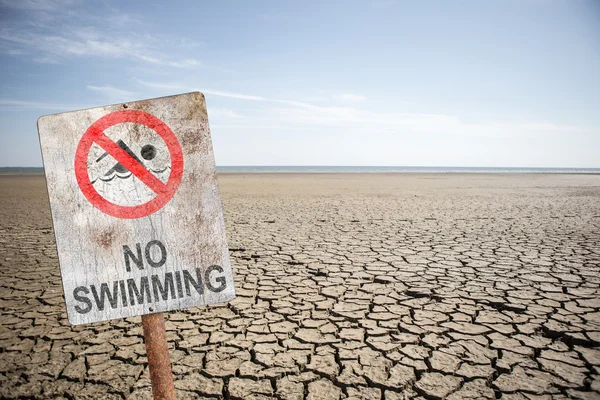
[136, 209]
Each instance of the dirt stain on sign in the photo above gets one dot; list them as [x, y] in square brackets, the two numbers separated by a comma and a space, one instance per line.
[192, 141]
[105, 238]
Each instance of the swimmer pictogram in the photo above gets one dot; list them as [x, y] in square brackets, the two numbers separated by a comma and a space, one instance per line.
[128, 164]
[148, 153]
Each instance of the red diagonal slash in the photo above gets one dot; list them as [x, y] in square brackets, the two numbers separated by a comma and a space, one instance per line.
[95, 134]
[130, 163]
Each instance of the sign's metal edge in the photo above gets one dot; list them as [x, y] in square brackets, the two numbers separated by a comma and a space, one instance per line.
[119, 104]
[53, 218]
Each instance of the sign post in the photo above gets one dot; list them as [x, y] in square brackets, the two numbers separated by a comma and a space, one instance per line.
[157, 349]
[137, 215]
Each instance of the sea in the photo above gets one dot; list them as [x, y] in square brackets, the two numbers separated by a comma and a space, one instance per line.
[403, 169]
[358, 170]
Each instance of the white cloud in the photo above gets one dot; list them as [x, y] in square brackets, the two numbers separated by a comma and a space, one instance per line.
[403, 123]
[290, 113]
[188, 62]
[52, 31]
[245, 126]
[46, 60]
[188, 43]
[163, 85]
[22, 104]
[110, 91]
[233, 95]
[120, 19]
[349, 97]
[87, 42]
[179, 86]
[39, 5]
[224, 113]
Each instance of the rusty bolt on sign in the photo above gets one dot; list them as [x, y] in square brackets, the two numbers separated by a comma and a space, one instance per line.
[159, 363]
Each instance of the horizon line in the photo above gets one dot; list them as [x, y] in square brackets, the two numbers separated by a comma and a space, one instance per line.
[356, 166]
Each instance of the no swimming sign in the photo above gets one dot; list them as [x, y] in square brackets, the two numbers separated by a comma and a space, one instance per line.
[136, 208]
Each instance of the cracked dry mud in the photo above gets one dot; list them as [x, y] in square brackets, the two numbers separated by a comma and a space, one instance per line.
[349, 286]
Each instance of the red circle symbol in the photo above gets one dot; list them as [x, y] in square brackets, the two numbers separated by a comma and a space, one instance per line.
[95, 134]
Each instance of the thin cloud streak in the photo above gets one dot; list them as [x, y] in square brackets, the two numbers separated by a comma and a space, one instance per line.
[233, 95]
[349, 97]
[23, 104]
[56, 30]
[302, 113]
[224, 113]
[415, 123]
[226, 126]
[221, 93]
[38, 5]
[110, 91]
[179, 86]
[85, 43]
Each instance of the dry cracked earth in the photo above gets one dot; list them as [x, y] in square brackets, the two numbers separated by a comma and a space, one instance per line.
[349, 287]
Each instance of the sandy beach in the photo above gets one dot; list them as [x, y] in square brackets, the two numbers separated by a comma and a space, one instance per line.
[362, 286]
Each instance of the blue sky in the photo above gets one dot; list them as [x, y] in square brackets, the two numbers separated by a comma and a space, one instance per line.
[431, 83]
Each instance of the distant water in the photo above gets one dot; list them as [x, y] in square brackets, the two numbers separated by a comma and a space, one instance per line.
[358, 170]
[21, 170]
[342, 169]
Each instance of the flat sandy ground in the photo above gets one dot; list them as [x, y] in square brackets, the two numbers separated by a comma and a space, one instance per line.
[428, 286]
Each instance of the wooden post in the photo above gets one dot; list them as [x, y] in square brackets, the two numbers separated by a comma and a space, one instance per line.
[157, 349]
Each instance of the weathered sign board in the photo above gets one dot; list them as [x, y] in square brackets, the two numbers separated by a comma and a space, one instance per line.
[136, 210]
